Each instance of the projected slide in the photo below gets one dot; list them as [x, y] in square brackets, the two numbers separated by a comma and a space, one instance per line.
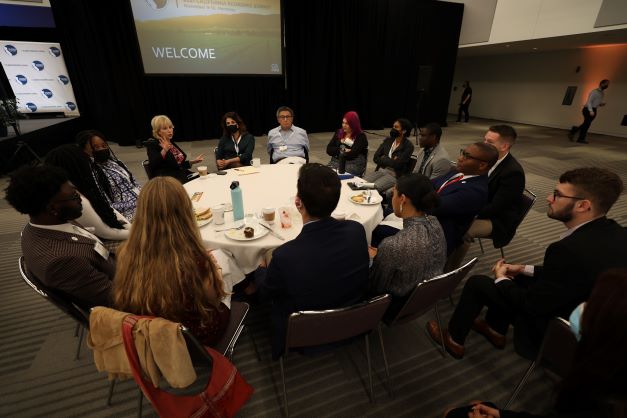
[209, 36]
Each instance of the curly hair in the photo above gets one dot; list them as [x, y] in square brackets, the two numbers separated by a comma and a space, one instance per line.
[77, 166]
[32, 188]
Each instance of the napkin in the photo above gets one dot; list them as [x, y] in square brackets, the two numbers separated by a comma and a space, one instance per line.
[242, 171]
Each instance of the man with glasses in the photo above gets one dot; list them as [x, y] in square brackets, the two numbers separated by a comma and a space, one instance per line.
[529, 296]
[287, 142]
[432, 159]
[464, 192]
[61, 254]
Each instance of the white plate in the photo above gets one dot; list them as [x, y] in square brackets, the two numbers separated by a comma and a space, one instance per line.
[238, 234]
[203, 222]
[375, 198]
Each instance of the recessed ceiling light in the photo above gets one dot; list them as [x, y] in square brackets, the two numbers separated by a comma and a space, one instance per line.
[535, 49]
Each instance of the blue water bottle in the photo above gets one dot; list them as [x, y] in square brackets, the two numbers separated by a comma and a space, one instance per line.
[236, 200]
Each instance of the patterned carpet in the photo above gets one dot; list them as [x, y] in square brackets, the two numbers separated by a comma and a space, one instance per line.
[40, 378]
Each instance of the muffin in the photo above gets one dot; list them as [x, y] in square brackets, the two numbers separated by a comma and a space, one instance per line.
[249, 232]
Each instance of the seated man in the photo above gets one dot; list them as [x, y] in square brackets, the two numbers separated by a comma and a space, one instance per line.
[506, 182]
[287, 141]
[527, 296]
[433, 161]
[58, 252]
[325, 266]
[464, 193]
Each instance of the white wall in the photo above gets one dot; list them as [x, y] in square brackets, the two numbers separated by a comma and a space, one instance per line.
[529, 88]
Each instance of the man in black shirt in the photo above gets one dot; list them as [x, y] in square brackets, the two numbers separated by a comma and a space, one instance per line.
[465, 102]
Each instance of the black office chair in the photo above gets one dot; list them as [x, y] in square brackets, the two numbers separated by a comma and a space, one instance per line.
[60, 300]
[146, 166]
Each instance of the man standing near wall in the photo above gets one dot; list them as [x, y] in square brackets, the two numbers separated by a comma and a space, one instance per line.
[589, 111]
[464, 104]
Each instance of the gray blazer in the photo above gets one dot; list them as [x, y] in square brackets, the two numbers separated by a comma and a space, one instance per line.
[69, 263]
[438, 163]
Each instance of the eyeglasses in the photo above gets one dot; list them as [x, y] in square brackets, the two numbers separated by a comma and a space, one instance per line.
[285, 117]
[467, 155]
[557, 194]
[75, 196]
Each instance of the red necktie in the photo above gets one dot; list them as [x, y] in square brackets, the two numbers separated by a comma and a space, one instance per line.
[450, 181]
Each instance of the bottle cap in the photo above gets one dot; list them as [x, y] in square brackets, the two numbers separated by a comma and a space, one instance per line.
[234, 185]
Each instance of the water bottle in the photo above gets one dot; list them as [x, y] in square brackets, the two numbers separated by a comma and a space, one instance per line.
[236, 200]
[342, 166]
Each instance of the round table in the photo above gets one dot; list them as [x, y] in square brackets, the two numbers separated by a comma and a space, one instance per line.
[273, 185]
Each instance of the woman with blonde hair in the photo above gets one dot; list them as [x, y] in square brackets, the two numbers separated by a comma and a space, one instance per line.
[164, 270]
[164, 156]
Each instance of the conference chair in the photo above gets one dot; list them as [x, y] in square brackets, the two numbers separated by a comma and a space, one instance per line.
[147, 169]
[528, 199]
[60, 300]
[556, 354]
[412, 163]
[426, 295]
[313, 328]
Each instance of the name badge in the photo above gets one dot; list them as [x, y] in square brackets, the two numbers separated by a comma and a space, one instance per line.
[102, 250]
[283, 148]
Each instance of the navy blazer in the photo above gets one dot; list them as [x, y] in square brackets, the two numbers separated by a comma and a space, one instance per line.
[167, 166]
[68, 263]
[571, 266]
[505, 188]
[324, 267]
[459, 204]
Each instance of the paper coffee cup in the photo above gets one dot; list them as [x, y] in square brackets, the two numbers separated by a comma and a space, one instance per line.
[218, 214]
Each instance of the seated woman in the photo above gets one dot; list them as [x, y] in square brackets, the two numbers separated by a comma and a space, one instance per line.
[164, 270]
[350, 144]
[393, 157]
[414, 254]
[236, 146]
[118, 181]
[164, 156]
[98, 215]
[596, 385]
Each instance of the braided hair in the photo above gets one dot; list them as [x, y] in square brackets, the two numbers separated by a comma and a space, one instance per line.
[77, 166]
[84, 137]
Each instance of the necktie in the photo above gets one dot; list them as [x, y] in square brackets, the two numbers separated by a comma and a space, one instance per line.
[450, 181]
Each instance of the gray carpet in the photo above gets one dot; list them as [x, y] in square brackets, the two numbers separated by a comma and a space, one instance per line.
[40, 378]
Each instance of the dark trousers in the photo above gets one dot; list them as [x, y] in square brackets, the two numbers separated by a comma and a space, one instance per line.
[478, 292]
[463, 108]
[587, 121]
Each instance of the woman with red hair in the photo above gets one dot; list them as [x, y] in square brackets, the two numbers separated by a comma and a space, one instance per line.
[349, 143]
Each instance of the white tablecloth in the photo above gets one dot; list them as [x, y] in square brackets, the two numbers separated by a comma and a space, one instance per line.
[273, 186]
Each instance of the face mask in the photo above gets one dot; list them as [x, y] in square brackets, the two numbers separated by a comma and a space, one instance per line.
[232, 128]
[574, 319]
[102, 155]
[68, 213]
[394, 133]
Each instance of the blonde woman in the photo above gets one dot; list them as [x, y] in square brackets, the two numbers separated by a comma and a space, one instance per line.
[164, 156]
[164, 270]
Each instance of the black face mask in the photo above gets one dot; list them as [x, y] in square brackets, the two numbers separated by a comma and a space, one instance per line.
[232, 128]
[69, 213]
[102, 155]
[394, 133]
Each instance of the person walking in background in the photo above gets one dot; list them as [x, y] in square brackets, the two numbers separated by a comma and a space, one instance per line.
[464, 104]
[589, 111]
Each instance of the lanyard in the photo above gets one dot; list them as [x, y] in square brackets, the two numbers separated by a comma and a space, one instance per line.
[235, 144]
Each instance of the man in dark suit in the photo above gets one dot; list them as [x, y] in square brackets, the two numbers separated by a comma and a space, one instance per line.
[463, 193]
[498, 219]
[325, 266]
[58, 252]
[527, 296]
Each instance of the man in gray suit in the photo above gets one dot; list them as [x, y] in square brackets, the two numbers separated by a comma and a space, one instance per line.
[60, 253]
[433, 160]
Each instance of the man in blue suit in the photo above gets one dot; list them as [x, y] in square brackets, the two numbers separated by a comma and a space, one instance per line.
[465, 192]
[325, 266]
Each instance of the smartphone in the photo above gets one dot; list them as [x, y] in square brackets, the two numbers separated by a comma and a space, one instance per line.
[221, 173]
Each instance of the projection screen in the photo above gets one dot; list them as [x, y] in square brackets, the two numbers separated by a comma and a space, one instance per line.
[209, 36]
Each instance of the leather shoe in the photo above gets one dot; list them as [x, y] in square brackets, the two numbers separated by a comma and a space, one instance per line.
[454, 349]
[496, 339]
[571, 135]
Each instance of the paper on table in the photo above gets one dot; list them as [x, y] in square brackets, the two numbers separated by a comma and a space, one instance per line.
[242, 171]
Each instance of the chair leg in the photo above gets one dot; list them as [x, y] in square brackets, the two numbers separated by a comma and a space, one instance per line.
[520, 385]
[111, 387]
[372, 397]
[252, 340]
[235, 339]
[78, 325]
[140, 404]
[80, 342]
[437, 318]
[502, 252]
[285, 405]
[385, 362]
[481, 246]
